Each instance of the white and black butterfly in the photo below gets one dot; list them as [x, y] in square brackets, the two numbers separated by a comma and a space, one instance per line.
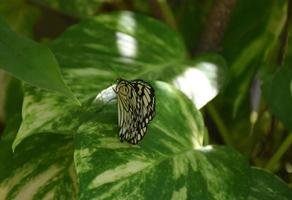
[136, 108]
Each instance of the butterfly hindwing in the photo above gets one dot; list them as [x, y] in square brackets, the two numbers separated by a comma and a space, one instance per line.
[136, 108]
[146, 100]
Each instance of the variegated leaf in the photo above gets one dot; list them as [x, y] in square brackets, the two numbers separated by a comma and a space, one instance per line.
[48, 112]
[96, 52]
[42, 167]
[169, 163]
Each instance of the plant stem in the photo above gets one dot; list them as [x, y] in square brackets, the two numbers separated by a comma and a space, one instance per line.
[271, 165]
[220, 124]
[167, 13]
[162, 11]
[284, 36]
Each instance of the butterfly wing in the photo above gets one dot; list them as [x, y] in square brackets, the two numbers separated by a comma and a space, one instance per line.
[145, 108]
[125, 107]
[146, 100]
[136, 109]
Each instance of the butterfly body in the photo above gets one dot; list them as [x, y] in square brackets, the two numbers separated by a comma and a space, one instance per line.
[136, 108]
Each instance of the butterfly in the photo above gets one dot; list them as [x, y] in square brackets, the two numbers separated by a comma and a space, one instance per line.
[136, 108]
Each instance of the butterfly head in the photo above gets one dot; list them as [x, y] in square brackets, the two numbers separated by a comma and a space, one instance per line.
[122, 87]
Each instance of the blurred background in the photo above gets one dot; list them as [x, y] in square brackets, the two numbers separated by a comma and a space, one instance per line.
[252, 112]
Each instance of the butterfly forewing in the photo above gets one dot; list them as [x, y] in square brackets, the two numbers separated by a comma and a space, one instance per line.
[136, 108]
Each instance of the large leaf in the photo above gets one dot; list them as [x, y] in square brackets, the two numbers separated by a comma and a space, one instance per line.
[30, 61]
[40, 168]
[94, 53]
[172, 148]
[170, 161]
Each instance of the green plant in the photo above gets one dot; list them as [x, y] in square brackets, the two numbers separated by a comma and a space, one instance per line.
[54, 148]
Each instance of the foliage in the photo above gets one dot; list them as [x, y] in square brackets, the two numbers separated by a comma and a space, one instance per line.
[53, 148]
[22, 57]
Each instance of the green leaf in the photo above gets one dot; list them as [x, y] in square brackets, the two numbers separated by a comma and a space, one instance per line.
[6, 155]
[124, 43]
[202, 78]
[75, 8]
[13, 97]
[96, 52]
[278, 94]
[266, 186]
[41, 168]
[30, 62]
[93, 54]
[248, 42]
[169, 162]
[134, 48]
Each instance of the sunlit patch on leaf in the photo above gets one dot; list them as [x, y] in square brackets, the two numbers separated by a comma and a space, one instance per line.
[202, 81]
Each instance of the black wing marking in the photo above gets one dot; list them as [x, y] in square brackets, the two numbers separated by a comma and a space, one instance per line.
[136, 109]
